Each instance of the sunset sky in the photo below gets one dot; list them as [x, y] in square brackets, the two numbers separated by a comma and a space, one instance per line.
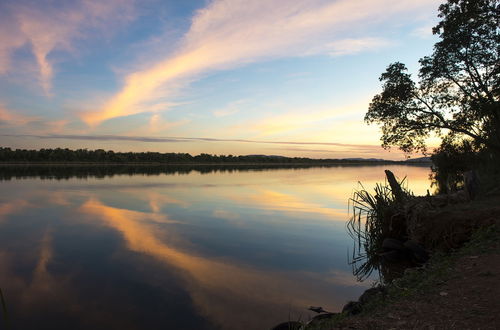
[275, 77]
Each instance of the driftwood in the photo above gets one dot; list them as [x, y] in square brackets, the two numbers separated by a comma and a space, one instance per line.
[398, 193]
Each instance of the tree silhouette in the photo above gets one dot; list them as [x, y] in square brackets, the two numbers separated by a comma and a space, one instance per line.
[458, 93]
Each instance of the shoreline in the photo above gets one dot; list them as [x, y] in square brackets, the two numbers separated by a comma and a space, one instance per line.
[457, 289]
[214, 164]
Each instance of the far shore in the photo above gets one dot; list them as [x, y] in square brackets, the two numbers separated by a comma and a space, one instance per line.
[311, 164]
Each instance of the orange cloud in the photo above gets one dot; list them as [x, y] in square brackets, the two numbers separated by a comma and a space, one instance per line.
[228, 34]
[14, 118]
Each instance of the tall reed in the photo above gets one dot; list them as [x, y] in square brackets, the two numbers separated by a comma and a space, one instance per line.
[374, 217]
[4, 310]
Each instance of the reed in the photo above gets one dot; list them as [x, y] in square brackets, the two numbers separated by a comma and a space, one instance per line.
[375, 216]
[4, 310]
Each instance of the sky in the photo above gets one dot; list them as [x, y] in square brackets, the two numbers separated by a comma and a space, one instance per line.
[274, 77]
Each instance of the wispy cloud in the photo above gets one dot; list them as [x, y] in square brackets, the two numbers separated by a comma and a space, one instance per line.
[49, 27]
[291, 121]
[230, 109]
[424, 31]
[354, 46]
[178, 139]
[228, 34]
[158, 124]
[28, 123]
[13, 118]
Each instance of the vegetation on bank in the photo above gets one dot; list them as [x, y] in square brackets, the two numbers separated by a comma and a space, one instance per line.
[456, 98]
[59, 155]
[423, 284]
[375, 217]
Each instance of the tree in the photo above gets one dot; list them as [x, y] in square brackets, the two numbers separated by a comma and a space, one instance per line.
[458, 93]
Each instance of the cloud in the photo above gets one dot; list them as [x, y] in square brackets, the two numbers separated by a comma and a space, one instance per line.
[227, 34]
[179, 139]
[49, 27]
[424, 32]
[292, 121]
[13, 118]
[353, 46]
[158, 124]
[230, 109]
[26, 123]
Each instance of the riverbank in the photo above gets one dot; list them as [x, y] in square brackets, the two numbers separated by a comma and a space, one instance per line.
[458, 290]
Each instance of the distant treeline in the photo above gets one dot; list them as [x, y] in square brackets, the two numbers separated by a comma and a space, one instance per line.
[60, 155]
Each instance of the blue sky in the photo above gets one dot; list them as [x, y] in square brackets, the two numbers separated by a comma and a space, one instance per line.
[281, 77]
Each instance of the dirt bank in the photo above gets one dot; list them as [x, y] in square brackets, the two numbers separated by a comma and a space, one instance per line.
[458, 291]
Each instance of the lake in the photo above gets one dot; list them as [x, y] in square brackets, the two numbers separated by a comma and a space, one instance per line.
[192, 248]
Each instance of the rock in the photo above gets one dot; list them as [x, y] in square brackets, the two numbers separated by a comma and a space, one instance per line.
[318, 319]
[318, 309]
[290, 325]
[371, 293]
[393, 256]
[393, 244]
[352, 308]
[417, 250]
[458, 197]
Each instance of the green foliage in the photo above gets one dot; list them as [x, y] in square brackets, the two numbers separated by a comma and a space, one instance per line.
[454, 157]
[458, 93]
[451, 160]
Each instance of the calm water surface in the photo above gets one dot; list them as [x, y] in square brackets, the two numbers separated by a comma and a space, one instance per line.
[220, 250]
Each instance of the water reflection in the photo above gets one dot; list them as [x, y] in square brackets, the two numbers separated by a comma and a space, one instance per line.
[226, 249]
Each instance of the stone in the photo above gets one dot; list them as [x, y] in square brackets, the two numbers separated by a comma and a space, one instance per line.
[319, 319]
[371, 293]
[418, 251]
[290, 325]
[352, 308]
[393, 244]
[392, 256]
